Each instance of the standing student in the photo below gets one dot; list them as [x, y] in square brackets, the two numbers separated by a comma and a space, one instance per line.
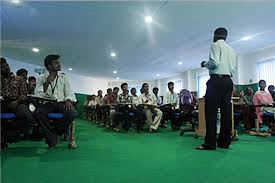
[221, 65]
[150, 102]
[56, 85]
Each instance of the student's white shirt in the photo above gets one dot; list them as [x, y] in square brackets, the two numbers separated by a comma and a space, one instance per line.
[172, 98]
[92, 103]
[60, 88]
[136, 100]
[222, 59]
[152, 99]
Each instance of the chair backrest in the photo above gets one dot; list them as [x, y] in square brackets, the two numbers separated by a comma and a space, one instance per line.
[185, 97]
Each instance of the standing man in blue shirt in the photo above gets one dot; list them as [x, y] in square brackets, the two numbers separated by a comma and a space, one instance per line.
[221, 65]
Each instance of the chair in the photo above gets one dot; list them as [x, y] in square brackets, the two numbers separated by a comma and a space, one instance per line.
[69, 135]
[7, 120]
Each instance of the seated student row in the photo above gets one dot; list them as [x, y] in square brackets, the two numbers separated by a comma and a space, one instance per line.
[53, 84]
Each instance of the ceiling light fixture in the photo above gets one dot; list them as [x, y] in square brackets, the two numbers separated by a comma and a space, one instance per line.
[246, 38]
[117, 78]
[70, 69]
[158, 75]
[113, 54]
[148, 19]
[15, 1]
[114, 72]
[179, 63]
[35, 50]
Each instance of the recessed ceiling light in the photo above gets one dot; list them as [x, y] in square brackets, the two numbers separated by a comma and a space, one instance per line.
[148, 19]
[158, 74]
[113, 54]
[35, 50]
[114, 72]
[246, 38]
[70, 69]
[15, 1]
[117, 78]
[179, 63]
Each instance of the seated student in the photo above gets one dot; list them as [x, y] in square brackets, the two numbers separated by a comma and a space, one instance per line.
[23, 73]
[159, 99]
[271, 90]
[91, 106]
[85, 106]
[99, 103]
[122, 110]
[14, 92]
[107, 99]
[248, 110]
[262, 97]
[31, 84]
[56, 85]
[171, 98]
[136, 109]
[150, 102]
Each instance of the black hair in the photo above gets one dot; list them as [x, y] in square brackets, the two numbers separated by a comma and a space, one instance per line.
[271, 86]
[155, 88]
[115, 88]
[261, 81]
[49, 59]
[31, 78]
[3, 60]
[132, 89]
[122, 85]
[170, 83]
[20, 71]
[109, 89]
[144, 84]
[220, 33]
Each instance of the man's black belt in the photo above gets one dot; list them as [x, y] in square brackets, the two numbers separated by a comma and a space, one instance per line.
[220, 75]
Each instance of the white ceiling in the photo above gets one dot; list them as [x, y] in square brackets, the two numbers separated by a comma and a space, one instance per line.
[84, 34]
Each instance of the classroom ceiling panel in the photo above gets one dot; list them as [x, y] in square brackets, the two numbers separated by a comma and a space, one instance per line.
[85, 33]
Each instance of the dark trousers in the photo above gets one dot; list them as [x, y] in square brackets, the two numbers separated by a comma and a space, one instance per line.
[218, 95]
[24, 120]
[137, 117]
[52, 131]
[121, 115]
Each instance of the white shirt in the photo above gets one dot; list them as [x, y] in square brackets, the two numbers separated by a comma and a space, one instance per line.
[136, 100]
[60, 88]
[172, 98]
[152, 99]
[222, 59]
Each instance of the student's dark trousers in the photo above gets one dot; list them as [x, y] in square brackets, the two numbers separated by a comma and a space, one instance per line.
[218, 95]
[52, 132]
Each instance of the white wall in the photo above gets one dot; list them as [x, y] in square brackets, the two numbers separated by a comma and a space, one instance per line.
[80, 84]
[248, 64]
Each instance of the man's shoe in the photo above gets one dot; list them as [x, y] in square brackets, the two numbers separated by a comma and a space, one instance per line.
[204, 147]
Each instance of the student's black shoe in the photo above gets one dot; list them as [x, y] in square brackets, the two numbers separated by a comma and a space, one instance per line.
[204, 147]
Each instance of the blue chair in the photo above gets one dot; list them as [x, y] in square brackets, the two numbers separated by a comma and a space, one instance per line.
[7, 119]
[69, 135]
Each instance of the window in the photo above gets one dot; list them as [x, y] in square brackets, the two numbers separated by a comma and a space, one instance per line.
[266, 70]
[201, 81]
[177, 86]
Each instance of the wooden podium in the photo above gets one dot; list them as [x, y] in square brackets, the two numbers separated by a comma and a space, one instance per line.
[201, 130]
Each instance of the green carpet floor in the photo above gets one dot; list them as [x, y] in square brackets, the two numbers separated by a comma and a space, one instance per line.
[105, 156]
